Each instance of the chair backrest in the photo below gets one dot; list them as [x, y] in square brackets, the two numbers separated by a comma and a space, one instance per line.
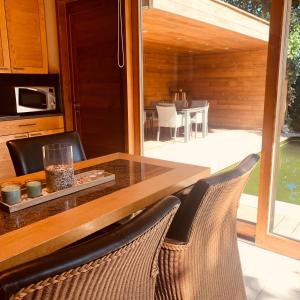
[165, 104]
[199, 103]
[154, 103]
[200, 257]
[160, 102]
[26, 154]
[211, 206]
[119, 265]
[180, 104]
[167, 116]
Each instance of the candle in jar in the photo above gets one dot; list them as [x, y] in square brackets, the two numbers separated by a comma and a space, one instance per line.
[11, 194]
[34, 189]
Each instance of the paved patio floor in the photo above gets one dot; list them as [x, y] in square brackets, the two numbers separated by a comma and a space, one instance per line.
[220, 149]
[269, 276]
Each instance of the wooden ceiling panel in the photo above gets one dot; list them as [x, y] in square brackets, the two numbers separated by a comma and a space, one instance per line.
[168, 31]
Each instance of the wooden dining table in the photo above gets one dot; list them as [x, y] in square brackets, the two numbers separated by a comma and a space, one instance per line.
[187, 113]
[42, 229]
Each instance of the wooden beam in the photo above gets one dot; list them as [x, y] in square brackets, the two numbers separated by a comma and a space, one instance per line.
[217, 13]
[245, 230]
[275, 81]
[275, 69]
[133, 63]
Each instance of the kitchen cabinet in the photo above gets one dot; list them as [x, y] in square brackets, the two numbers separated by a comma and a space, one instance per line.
[4, 49]
[26, 33]
[20, 129]
[45, 132]
[6, 165]
[20, 126]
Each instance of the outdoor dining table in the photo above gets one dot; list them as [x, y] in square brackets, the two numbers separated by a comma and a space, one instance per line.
[187, 112]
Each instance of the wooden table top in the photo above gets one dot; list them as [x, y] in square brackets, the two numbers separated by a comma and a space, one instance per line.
[42, 229]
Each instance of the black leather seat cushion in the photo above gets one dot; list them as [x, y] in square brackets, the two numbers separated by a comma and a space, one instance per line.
[27, 156]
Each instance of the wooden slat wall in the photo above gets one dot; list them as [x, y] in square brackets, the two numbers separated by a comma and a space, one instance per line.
[160, 75]
[234, 84]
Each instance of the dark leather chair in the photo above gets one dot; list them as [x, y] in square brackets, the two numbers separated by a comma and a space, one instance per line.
[26, 154]
[119, 265]
[199, 258]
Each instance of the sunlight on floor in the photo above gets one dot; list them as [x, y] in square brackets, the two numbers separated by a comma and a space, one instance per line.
[220, 149]
[269, 275]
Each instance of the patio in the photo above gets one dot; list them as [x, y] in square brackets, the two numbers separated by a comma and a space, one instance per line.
[267, 275]
[220, 149]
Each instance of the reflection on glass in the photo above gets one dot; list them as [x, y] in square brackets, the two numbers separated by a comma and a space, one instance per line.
[285, 208]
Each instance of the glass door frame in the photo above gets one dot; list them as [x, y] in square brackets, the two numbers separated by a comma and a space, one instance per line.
[275, 81]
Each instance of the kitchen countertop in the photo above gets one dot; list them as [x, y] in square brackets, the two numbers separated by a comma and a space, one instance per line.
[18, 117]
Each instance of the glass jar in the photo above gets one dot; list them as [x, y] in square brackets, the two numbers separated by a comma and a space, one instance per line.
[58, 165]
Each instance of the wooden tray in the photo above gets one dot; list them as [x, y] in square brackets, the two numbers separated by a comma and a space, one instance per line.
[83, 181]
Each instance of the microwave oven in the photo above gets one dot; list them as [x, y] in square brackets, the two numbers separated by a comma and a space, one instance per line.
[21, 100]
[32, 99]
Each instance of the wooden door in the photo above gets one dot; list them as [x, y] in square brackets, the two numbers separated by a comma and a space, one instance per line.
[27, 36]
[4, 50]
[97, 81]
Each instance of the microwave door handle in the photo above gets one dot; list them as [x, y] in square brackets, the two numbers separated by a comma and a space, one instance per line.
[32, 89]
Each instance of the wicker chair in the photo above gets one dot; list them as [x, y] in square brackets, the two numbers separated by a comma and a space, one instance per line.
[199, 258]
[119, 265]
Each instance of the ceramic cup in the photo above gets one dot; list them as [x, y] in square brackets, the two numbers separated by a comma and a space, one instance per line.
[34, 188]
[11, 193]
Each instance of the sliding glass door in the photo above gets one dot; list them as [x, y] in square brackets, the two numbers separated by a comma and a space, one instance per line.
[257, 85]
[278, 226]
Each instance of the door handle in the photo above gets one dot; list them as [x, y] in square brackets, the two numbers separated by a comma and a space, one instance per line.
[25, 125]
[20, 136]
[76, 106]
[35, 134]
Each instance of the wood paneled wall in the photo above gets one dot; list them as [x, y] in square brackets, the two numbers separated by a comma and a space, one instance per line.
[233, 83]
[160, 74]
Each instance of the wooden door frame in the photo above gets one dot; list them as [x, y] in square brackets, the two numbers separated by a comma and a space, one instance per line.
[134, 66]
[65, 65]
[132, 37]
[276, 70]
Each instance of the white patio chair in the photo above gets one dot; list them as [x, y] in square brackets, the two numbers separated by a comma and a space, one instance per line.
[197, 118]
[168, 117]
[180, 104]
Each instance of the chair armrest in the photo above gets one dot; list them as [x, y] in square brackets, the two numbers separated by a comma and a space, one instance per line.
[174, 245]
[182, 195]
